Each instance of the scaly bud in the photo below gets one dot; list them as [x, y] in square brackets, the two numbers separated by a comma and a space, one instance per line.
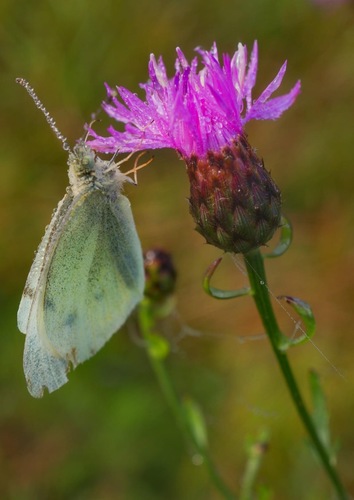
[233, 199]
[160, 274]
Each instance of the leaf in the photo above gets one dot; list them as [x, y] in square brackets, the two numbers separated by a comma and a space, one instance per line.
[320, 414]
[286, 236]
[305, 312]
[196, 423]
[216, 292]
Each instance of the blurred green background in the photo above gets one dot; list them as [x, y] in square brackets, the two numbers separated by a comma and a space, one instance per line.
[108, 433]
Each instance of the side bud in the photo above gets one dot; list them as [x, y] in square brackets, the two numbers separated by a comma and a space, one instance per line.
[233, 199]
[160, 275]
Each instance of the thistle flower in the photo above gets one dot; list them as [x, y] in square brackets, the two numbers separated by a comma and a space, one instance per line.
[201, 114]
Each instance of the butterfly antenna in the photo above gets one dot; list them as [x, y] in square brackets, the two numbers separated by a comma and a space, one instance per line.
[40, 106]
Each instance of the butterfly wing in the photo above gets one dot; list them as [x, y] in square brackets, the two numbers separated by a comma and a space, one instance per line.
[38, 356]
[36, 278]
[93, 280]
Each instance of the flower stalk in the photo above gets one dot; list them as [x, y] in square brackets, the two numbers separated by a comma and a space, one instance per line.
[160, 281]
[146, 322]
[256, 273]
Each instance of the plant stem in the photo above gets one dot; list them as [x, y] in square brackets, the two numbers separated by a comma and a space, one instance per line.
[146, 325]
[256, 273]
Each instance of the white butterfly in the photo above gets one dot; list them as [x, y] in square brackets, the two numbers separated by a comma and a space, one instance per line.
[87, 275]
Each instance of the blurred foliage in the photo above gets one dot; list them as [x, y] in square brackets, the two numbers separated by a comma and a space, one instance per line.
[108, 433]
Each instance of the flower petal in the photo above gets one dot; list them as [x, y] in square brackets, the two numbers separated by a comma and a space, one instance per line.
[251, 76]
[272, 109]
[195, 111]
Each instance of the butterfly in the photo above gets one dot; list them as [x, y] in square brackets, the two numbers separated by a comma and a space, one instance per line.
[88, 272]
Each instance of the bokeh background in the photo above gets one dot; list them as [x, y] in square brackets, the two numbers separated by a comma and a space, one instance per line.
[109, 433]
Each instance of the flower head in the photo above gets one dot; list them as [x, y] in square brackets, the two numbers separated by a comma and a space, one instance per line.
[201, 114]
[195, 111]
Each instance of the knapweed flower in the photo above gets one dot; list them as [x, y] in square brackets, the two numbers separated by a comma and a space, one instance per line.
[201, 114]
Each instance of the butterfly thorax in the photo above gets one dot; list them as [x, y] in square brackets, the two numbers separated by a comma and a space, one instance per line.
[88, 172]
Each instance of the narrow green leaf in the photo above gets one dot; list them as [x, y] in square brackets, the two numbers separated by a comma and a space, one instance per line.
[196, 423]
[216, 293]
[320, 413]
[305, 312]
[286, 236]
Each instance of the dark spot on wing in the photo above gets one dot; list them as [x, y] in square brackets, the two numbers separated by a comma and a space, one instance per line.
[49, 304]
[70, 319]
[99, 295]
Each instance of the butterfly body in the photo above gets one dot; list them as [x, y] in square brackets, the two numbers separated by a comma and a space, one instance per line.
[87, 275]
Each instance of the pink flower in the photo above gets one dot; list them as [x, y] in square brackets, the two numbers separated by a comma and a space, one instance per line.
[195, 111]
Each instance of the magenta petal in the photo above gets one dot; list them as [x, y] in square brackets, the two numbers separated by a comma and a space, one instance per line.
[195, 111]
[273, 86]
[273, 108]
[251, 76]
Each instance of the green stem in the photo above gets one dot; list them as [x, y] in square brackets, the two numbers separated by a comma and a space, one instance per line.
[256, 273]
[146, 325]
